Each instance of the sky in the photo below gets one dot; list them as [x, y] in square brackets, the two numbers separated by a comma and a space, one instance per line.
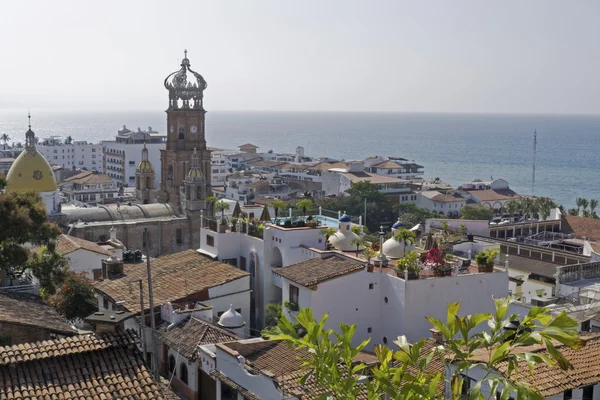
[513, 56]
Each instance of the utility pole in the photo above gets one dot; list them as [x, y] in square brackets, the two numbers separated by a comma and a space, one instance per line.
[151, 301]
[143, 316]
[534, 151]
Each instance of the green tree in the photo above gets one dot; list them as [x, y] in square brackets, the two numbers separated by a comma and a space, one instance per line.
[75, 297]
[305, 205]
[69, 140]
[5, 138]
[579, 202]
[406, 237]
[593, 205]
[412, 215]
[273, 314]
[476, 212]
[222, 206]
[277, 205]
[24, 220]
[358, 242]
[49, 267]
[512, 207]
[404, 374]
[462, 229]
[545, 206]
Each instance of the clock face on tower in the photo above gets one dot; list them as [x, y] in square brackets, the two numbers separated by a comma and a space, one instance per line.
[193, 129]
[172, 129]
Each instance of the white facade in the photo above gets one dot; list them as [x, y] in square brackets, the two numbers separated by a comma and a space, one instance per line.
[86, 261]
[384, 306]
[78, 154]
[219, 170]
[121, 160]
[440, 203]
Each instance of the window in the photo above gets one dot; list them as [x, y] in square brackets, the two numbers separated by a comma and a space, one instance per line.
[585, 326]
[227, 393]
[568, 394]
[93, 150]
[172, 365]
[467, 383]
[183, 373]
[243, 263]
[369, 330]
[371, 286]
[294, 294]
[210, 240]
[230, 261]
[104, 303]
[384, 340]
[588, 393]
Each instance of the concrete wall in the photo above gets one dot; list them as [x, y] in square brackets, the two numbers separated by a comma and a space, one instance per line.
[85, 261]
[429, 298]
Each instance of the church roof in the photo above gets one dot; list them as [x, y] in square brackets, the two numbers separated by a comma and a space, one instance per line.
[118, 214]
[31, 171]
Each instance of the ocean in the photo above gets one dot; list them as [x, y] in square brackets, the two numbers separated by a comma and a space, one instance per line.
[454, 147]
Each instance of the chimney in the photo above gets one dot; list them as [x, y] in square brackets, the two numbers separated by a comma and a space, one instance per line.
[108, 321]
[111, 266]
[437, 335]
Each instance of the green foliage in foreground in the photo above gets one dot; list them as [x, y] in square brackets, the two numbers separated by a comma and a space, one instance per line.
[403, 373]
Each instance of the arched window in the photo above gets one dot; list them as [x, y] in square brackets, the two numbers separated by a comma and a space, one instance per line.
[199, 192]
[148, 183]
[181, 129]
[183, 373]
[172, 369]
[188, 193]
[170, 175]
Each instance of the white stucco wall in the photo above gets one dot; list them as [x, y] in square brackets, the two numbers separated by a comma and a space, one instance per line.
[236, 293]
[84, 260]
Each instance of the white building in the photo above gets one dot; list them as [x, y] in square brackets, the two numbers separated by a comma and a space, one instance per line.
[83, 255]
[90, 187]
[492, 194]
[394, 166]
[441, 203]
[76, 154]
[219, 168]
[122, 155]
[381, 304]
[336, 181]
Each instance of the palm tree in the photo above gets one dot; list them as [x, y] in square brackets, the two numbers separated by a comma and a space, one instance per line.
[304, 204]
[5, 138]
[327, 232]
[277, 205]
[573, 211]
[405, 236]
[462, 229]
[445, 227]
[222, 206]
[593, 205]
[545, 205]
[69, 140]
[579, 202]
[210, 201]
[356, 229]
[584, 204]
[358, 242]
[511, 206]
[369, 253]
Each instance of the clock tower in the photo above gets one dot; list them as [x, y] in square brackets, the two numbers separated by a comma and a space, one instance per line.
[185, 134]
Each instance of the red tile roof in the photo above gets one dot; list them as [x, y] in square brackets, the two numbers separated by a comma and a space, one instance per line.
[67, 244]
[30, 310]
[494, 195]
[175, 277]
[581, 226]
[316, 270]
[106, 366]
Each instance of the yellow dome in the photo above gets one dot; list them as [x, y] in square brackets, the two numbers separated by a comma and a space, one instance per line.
[30, 171]
[144, 166]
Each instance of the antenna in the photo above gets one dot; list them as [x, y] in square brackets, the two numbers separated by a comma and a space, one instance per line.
[534, 151]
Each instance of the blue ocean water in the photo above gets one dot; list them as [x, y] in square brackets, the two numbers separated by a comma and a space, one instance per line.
[455, 147]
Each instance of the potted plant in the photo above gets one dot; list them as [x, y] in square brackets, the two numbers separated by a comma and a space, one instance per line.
[485, 259]
[222, 206]
[369, 253]
[436, 259]
[313, 223]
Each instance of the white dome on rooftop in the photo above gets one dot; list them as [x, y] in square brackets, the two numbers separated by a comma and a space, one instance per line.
[231, 319]
[395, 249]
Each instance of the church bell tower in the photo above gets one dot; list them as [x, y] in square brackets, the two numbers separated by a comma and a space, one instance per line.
[185, 125]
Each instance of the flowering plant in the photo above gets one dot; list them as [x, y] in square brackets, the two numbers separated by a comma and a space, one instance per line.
[435, 259]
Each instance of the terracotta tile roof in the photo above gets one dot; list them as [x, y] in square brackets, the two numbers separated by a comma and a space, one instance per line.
[259, 183]
[388, 165]
[282, 363]
[88, 178]
[106, 366]
[175, 277]
[324, 166]
[30, 310]
[373, 178]
[581, 226]
[434, 195]
[67, 244]
[491, 194]
[247, 146]
[552, 380]
[316, 270]
[264, 163]
[188, 335]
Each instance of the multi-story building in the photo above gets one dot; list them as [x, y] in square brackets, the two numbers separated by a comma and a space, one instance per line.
[90, 187]
[122, 155]
[492, 194]
[394, 166]
[68, 154]
[218, 165]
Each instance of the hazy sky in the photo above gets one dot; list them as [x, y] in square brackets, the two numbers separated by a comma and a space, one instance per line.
[455, 56]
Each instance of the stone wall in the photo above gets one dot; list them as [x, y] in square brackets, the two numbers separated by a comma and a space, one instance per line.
[23, 334]
[163, 234]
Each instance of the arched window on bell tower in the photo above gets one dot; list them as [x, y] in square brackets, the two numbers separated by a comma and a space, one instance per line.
[149, 184]
[199, 192]
[180, 131]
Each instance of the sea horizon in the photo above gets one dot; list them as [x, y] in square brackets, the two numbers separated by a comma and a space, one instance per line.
[456, 147]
